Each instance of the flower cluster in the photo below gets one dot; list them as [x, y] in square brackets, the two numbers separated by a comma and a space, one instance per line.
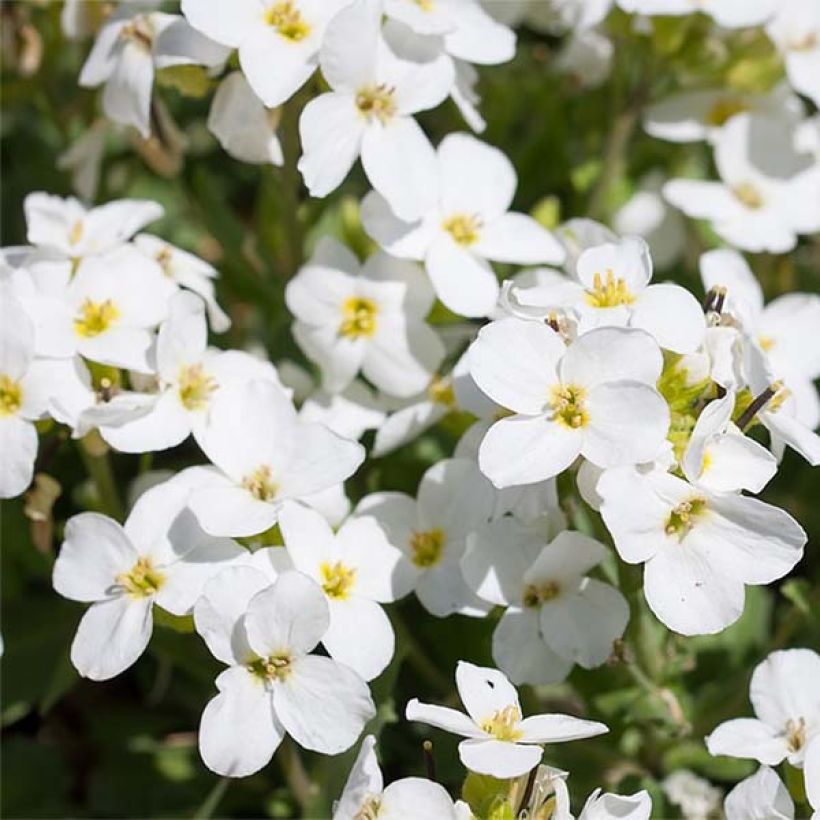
[613, 428]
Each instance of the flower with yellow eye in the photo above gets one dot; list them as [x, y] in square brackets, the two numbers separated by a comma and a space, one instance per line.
[499, 741]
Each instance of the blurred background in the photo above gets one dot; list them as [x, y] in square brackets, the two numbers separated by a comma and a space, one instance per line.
[127, 748]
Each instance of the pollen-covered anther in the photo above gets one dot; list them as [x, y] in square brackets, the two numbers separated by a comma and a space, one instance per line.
[139, 31]
[749, 194]
[195, 387]
[426, 547]
[377, 102]
[358, 317]
[568, 402]
[288, 21]
[337, 579]
[369, 810]
[537, 594]
[76, 232]
[683, 517]
[441, 392]
[503, 724]
[464, 228]
[142, 580]
[94, 318]
[796, 734]
[11, 396]
[274, 667]
[609, 291]
[260, 484]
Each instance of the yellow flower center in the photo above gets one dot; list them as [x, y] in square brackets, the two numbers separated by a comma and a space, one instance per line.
[608, 291]
[683, 517]
[163, 258]
[76, 232]
[358, 317]
[274, 667]
[766, 343]
[139, 31]
[376, 102]
[288, 21]
[142, 580]
[425, 5]
[11, 396]
[537, 594]
[337, 579]
[369, 809]
[441, 392]
[260, 484]
[567, 400]
[706, 462]
[426, 547]
[464, 228]
[503, 725]
[796, 734]
[195, 387]
[94, 318]
[749, 195]
[724, 109]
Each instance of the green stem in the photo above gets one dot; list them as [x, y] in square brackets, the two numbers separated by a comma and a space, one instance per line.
[99, 470]
[213, 799]
[417, 657]
[303, 789]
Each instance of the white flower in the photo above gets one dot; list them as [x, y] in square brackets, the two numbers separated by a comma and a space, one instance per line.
[368, 112]
[795, 30]
[190, 376]
[786, 700]
[84, 157]
[586, 58]
[593, 398]
[186, 271]
[29, 388]
[466, 223]
[607, 806]
[366, 796]
[453, 500]
[130, 48]
[698, 798]
[765, 198]
[264, 455]
[278, 40]
[106, 310]
[727, 13]
[264, 633]
[368, 319]
[159, 556]
[555, 615]
[357, 569]
[499, 742]
[66, 228]
[762, 795]
[348, 414]
[245, 128]
[700, 548]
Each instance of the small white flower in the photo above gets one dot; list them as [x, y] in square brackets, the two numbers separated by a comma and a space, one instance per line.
[499, 741]
[697, 798]
[466, 223]
[368, 319]
[264, 456]
[264, 633]
[366, 796]
[159, 556]
[453, 500]
[727, 13]
[795, 30]
[761, 795]
[555, 615]
[786, 700]
[607, 806]
[594, 398]
[369, 112]
[357, 569]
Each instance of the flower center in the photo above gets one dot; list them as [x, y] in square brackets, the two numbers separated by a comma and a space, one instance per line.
[427, 547]
[503, 725]
[337, 579]
[76, 232]
[724, 109]
[274, 667]
[376, 102]
[608, 291]
[288, 21]
[260, 484]
[441, 392]
[94, 318]
[425, 5]
[163, 258]
[195, 387]
[749, 195]
[464, 228]
[358, 317]
[683, 517]
[139, 31]
[537, 594]
[369, 809]
[766, 343]
[142, 580]
[796, 734]
[567, 400]
[11, 396]
[807, 42]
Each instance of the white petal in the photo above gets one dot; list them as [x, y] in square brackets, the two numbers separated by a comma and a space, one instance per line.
[672, 315]
[229, 510]
[294, 62]
[111, 636]
[323, 705]
[165, 425]
[465, 283]
[360, 636]
[558, 729]
[442, 717]
[364, 781]
[499, 758]
[406, 240]
[811, 773]
[18, 449]
[761, 795]
[239, 732]
[484, 691]
[519, 239]
[16, 336]
[478, 38]
[747, 737]
[127, 94]
[566, 559]
[415, 797]
[224, 24]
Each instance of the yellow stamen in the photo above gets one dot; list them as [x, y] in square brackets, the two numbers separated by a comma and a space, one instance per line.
[337, 579]
[195, 387]
[274, 667]
[260, 484]
[503, 725]
[142, 580]
[464, 228]
[568, 402]
[358, 317]
[288, 21]
[376, 102]
[766, 343]
[11, 396]
[796, 734]
[537, 594]
[427, 547]
[749, 195]
[76, 232]
[441, 392]
[95, 317]
[683, 517]
[609, 291]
